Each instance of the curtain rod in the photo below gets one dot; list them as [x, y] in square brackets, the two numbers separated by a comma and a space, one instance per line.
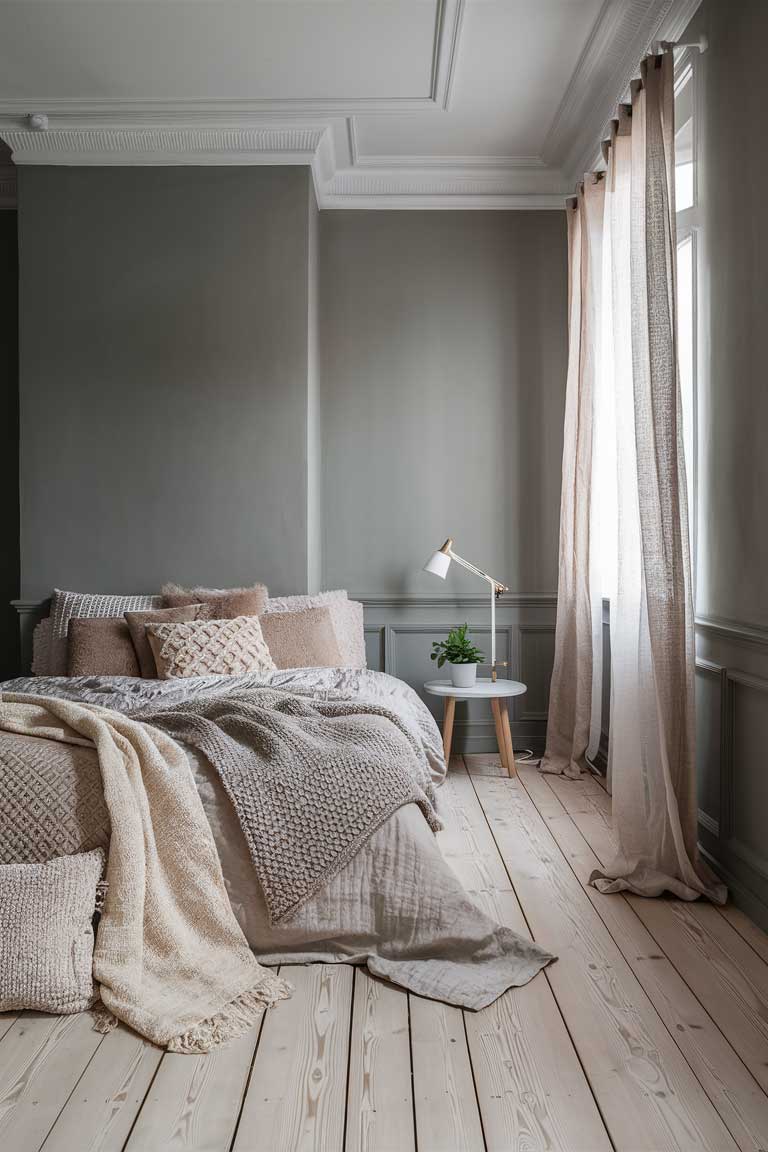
[700, 45]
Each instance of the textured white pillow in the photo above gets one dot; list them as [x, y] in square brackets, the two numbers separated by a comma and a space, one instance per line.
[346, 615]
[210, 648]
[46, 933]
[301, 603]
[65, 605]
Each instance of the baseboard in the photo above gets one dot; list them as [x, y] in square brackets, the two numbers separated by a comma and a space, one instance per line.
[743, 897]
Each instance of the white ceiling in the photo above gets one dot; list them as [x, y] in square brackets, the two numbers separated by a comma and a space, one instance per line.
[436, 103]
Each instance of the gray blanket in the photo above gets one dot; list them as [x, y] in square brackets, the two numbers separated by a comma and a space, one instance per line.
[310, 780]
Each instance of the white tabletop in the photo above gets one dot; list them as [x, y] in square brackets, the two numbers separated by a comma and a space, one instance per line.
[484, 687]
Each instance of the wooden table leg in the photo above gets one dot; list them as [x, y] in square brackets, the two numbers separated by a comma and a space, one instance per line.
[450, 708]
[500, 737]
[511, 769]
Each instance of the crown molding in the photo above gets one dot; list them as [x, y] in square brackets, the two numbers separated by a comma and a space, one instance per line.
[463, 182]
[142, 145]
[621, 37]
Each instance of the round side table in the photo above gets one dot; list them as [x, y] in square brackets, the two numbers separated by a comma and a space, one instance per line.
[493, 690]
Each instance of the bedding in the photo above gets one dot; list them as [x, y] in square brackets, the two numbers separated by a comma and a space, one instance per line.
[46, 933]
[170, 958]
[206, 647]
[100, 647]
[68, 605]
[225, 603]
[137, 622]
[346, 617]
[395, 905]
[303, 639]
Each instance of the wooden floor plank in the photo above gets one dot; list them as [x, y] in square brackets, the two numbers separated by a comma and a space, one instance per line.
[194, 1101]
[7, 1020]
[527, 1099]
[748, 930]
[103, 1107]
[41, 1060]
[297, 1093]
[447, 1116]
[648, 1095]
[380, 1096]
[723, 971]
[728, 1083]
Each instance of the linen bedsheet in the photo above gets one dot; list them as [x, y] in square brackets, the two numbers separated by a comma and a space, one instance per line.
[396, 905]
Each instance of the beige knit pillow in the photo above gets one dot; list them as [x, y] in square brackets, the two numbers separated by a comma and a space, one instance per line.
[100, 646]
[226, 603]
[46, 933]
[210, 648]
[301, 639]
[137, 622]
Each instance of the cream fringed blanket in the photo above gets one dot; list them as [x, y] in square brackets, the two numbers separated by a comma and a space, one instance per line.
[170, 957]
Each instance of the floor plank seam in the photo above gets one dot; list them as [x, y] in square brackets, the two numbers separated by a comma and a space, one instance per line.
[669, 960]
[71, 1094]
[144, 1098]
[247, 1085]
[545, 970]
[661, 948]
[474, 1079]
[349, 1056]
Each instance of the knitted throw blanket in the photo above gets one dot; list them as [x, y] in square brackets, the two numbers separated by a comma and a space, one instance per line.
[310, 780]
[169, 956]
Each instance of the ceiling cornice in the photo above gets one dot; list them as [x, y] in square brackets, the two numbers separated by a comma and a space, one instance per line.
[621, 37]
[409, 182]
[321, 133]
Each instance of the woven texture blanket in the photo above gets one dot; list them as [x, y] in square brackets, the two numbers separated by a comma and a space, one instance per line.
[310, 780]
[170, 957]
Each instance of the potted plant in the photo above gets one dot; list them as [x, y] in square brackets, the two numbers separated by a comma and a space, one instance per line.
[460, 653]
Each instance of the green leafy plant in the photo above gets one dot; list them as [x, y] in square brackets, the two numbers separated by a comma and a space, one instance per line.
[457, 648]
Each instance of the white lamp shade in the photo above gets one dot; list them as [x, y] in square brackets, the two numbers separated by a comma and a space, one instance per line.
[438, 564]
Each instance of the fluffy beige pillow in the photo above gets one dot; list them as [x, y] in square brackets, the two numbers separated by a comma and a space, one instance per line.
[137, 622]
[346, 615]
[100, 646]
[226, 603]
[301, 639]
[46, 933]
[210, 648]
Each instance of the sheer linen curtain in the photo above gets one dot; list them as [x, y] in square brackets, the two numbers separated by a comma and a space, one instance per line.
[624, 516]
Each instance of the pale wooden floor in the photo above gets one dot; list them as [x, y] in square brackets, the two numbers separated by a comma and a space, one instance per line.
[650, 1032]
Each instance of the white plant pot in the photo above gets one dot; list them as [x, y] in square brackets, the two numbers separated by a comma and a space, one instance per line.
[463, 675]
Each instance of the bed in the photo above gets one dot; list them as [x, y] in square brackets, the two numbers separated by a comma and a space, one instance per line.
[394, 905]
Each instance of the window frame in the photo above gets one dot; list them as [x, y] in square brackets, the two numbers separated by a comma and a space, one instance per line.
[689, 226]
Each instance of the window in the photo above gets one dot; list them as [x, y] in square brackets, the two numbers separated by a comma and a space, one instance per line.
[688, 228]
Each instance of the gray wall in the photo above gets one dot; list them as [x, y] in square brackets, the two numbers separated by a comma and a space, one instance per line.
[442, 394]
[164, 376]
[220, 384]
[9, 445]
[732, 577]
[443, 382]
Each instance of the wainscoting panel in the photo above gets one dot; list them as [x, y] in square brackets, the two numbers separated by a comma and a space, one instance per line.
[732, 757]
[399, 635]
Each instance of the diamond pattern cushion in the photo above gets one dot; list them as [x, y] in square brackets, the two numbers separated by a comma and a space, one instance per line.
[51, 800]
[210, 648]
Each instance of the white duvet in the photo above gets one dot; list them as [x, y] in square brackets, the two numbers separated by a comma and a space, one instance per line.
[397, 906]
